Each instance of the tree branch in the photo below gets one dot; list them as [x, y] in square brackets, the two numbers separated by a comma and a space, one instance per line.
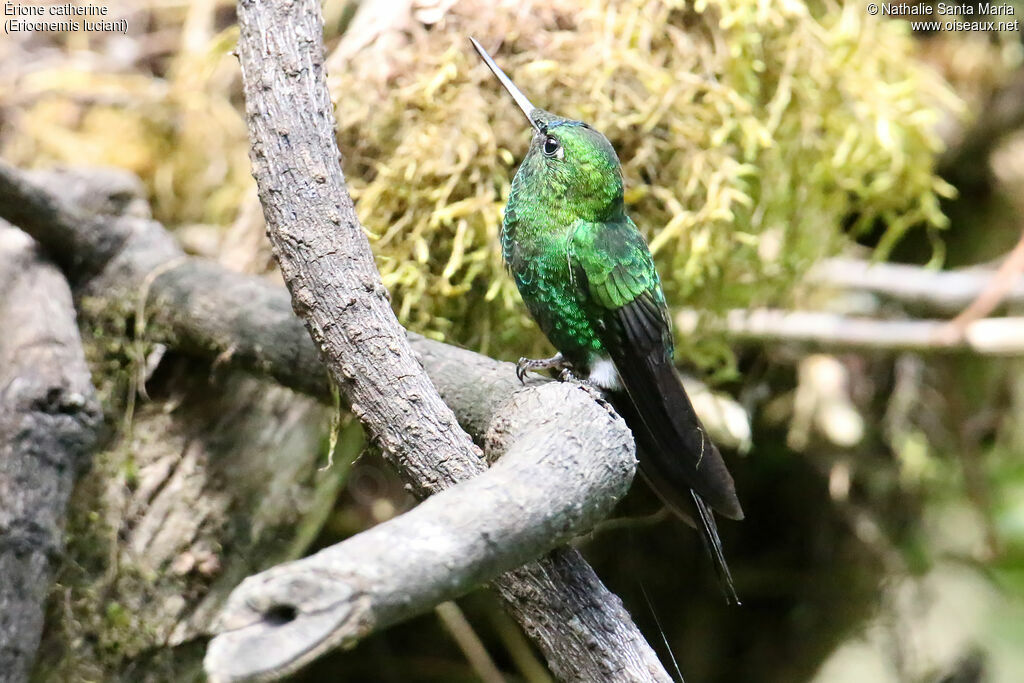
[832, 331]
[199, 307]
[565, 462]
[942, 291]
[994, 293]
[323, 252]
[49, 424]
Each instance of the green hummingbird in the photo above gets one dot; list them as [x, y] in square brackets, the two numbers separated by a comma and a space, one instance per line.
[587, 277]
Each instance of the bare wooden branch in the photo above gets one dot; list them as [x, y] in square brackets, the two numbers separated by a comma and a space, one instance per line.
[176, 512]
[942, 291]
[989, 336]
[557, 445]
[324, 254]
[1003, 280]
[49, 424]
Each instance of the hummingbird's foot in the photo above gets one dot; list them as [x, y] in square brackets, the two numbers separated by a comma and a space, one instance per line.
[567, 375]
[556, 362]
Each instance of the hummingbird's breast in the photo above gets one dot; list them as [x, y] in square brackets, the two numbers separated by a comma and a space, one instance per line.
[538, 260]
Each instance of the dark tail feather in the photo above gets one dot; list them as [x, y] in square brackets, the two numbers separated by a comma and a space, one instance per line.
[661, 475]
[679, 455]
[713, 545]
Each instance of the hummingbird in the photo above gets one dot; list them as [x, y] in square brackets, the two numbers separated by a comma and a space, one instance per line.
[587, 277]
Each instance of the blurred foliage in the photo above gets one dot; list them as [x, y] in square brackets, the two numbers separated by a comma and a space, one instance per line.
[166, 108]
[749, 133]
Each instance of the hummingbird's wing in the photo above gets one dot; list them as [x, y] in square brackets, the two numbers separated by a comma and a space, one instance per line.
[615, 276]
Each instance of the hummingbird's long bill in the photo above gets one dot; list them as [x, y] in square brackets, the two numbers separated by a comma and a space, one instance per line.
[515, 92]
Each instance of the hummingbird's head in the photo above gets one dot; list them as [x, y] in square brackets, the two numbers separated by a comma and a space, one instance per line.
[573, 167]
[570, 168]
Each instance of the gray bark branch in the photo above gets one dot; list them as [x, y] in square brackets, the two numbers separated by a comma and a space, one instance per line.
[833, 331]
[941, 291]
[49, 424]
[564, 462]
[324, 255]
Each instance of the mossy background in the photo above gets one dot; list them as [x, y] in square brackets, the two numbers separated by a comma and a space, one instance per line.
[754, 138]
[749, 136]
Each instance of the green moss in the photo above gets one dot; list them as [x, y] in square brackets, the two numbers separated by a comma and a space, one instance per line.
[117, 616]
[749, 133]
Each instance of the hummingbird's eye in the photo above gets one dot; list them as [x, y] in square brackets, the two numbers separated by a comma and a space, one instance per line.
[552, 147]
